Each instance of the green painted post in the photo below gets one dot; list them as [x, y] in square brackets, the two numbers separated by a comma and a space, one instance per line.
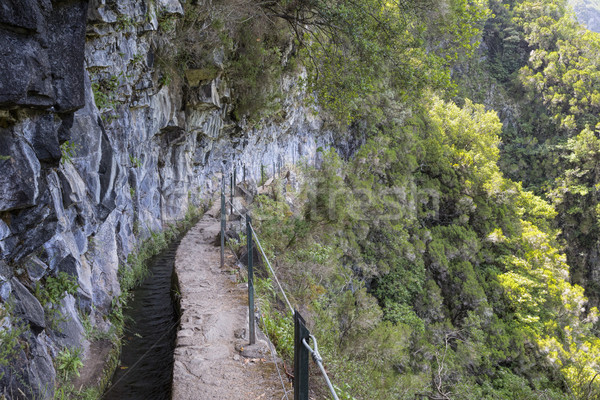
[223, 222]
[231, 195]
[251, 331]
[300, 358]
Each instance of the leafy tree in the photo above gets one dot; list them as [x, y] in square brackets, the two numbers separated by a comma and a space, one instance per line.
[357, 50]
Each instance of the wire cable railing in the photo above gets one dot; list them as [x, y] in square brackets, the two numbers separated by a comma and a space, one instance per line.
[287, 301]
[271, 349]
[319, 361]
[301, 333]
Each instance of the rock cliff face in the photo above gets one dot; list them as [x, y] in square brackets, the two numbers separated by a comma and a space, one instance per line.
[98, 148]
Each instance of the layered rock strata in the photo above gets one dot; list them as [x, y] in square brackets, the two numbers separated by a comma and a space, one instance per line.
[97, 149]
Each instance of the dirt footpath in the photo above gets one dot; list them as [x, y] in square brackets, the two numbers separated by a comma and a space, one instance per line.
[213, 325]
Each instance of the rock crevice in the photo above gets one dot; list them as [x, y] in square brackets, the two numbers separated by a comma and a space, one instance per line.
[97, 150]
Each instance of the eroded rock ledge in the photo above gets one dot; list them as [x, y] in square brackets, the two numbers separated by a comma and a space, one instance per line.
[96, 151]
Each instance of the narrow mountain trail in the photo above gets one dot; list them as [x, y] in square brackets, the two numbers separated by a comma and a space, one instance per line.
[208, 360]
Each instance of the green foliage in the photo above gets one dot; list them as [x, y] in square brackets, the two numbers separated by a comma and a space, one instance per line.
[563, 66]
[357, 50]
[552, 144]
[135, 270]
[256, 68]
[468, 290]
[55, 288]
[124, 23]
[165, 79]
[91, 331]
[507, 47]
[67, 151]
[263, 175]
[10, 345]
[545, 63]
[576, 197]
[167, 22]
[88, 327]
[106, 93]
[68, 362]
[277, 326]
[51, 291]
[68, 392]
[358, 55]
[137, 59]
[135, 162]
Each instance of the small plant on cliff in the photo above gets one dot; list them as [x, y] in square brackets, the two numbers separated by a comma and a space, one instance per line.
[56, 288]
[166, 22]
[137, 59]
[69, 392]
[165, 79]
[124, 22]
[9, 336]
[67, 151]
[52, 292]
[135, 162]
[105, 92]
[68, 362]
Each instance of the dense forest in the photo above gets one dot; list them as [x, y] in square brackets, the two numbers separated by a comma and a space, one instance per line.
[446, 243]
[453, 255]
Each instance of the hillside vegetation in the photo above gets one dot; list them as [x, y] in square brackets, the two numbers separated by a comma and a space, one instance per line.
[453, 254]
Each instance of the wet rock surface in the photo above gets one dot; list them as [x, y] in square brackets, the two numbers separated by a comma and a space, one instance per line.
[151, 323]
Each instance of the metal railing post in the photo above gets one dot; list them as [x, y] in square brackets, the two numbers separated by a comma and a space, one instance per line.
[231, 195]
[223, 222]
[251, 331]
[300, 358]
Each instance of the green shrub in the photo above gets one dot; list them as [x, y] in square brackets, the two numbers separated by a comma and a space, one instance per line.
[55, 288]
[68, 362]
[106, 92]
[124, 22]
[67, 151]
[279, 327]
[135, 162]
[10, 345]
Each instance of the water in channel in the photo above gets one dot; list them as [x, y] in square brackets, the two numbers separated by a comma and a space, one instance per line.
[146, 368]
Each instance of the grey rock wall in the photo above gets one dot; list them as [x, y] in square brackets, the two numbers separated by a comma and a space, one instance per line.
[96, 151]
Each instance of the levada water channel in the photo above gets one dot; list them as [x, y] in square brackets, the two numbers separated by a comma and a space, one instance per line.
[146, 367]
